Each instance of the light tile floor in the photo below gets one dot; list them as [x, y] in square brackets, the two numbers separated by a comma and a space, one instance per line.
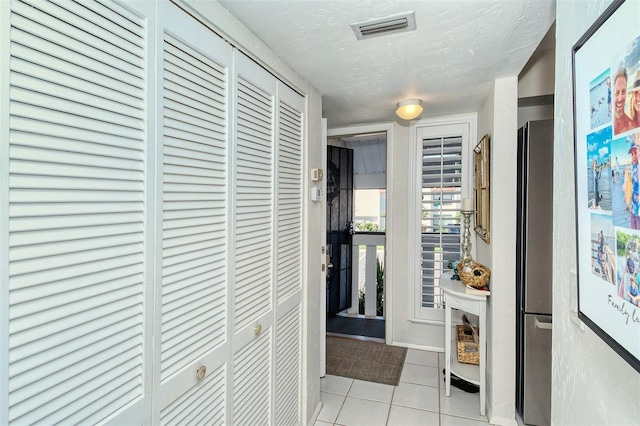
[419, 398]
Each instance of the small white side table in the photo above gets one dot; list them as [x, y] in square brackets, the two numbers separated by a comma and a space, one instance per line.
[455, 297]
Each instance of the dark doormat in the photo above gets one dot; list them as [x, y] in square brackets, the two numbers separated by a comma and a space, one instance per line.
[365, 360]
[356, 326]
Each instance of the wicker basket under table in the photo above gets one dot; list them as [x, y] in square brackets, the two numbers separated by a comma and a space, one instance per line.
[468, 350]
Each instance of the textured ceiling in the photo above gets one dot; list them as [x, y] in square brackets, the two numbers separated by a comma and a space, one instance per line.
[450, 61]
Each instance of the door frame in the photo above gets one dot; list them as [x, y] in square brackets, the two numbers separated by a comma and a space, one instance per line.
[388, 128]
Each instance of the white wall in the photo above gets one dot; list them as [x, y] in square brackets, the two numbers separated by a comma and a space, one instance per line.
[225, 24]
[534, 113]
[536, 78]
[591, 384]
[498, 118]
[315, 282]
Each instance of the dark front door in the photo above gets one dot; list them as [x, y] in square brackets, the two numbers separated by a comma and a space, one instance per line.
[339, 227]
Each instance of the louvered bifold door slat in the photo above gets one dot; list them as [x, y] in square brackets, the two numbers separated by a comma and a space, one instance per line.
[289, 217]
[288, 368]
[252, 387]
[193, 318]
[199, 405]
[254, 243]
[194, 249]
[254, 186]
[288, 258]
[76, 211]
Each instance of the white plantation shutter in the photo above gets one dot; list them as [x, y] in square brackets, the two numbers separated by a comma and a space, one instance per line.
[441, 201]
[194, 261]
[76, 211]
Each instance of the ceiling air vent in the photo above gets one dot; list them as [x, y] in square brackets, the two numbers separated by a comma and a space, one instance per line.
[389, 24]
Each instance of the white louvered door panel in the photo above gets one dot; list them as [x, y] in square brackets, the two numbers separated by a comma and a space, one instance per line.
[77, 191]
[288, 372]
[254, 185]
[254, 241]
[199, 405]
[252, 386]
[289, 197]
[195, 202]
[288, 257]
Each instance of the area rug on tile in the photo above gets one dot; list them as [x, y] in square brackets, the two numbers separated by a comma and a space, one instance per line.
[365, 360]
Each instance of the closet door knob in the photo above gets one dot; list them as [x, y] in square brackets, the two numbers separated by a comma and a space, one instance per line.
[200, 372]
[257, 330]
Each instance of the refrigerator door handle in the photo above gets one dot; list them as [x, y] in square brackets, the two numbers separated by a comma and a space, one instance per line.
[543, 325]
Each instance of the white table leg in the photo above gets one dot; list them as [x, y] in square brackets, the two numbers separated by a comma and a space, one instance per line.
[483, 354]
[447, 350]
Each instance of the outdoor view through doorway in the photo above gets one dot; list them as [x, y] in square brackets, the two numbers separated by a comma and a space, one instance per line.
[356, 225]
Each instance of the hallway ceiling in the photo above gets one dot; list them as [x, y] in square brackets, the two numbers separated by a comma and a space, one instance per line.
[450, 61]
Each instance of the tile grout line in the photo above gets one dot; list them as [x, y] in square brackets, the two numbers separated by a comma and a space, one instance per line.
[335, 422]
[393, 392]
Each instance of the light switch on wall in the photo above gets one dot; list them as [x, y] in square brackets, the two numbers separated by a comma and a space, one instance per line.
[316, 194]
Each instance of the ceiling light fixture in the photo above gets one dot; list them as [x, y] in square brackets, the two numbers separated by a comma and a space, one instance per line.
[409, 109]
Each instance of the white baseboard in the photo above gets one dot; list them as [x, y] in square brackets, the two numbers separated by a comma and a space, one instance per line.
[419, 347]
[316, 413]
[502, 421]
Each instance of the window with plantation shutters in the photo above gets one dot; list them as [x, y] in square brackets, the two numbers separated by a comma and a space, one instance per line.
[441, 190]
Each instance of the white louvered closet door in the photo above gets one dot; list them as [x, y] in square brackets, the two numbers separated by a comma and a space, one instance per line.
[194, 221]
[253, 237]
[77, 191]
[154, 187]
[288, 257]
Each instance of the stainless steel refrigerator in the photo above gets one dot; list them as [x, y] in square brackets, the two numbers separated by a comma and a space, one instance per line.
[534, 250]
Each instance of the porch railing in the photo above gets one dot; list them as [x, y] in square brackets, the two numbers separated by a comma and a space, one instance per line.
[374, 243]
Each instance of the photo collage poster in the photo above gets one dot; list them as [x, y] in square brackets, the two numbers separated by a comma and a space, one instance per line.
[607, 108]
